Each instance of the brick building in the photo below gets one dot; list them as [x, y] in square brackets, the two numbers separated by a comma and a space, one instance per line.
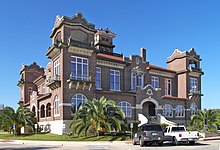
[83, 65]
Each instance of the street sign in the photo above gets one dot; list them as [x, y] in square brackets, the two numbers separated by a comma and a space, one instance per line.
[35, 126]
[14, 126]
[131, 125]
[64, 126]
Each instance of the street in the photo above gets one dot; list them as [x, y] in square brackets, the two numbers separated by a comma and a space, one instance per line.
[42, 145]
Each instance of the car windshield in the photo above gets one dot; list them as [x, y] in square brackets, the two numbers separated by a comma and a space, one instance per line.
[177, 129]
[152, 128]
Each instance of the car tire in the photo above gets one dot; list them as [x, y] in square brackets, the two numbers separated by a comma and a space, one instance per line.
[160, 143]
[191, 142]
[133, 142]
[141, 142]
[175, 142]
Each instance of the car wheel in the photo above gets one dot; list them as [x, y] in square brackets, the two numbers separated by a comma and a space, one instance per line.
[160, 143]
[191, 142]
[175, 142]
[141, 142]
[133, 142]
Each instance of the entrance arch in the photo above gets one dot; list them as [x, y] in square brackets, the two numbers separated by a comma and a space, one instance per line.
[149, 107]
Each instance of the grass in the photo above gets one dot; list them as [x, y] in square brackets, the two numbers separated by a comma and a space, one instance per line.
[54, 137]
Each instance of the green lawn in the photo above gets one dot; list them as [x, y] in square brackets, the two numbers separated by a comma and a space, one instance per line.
[54, 137]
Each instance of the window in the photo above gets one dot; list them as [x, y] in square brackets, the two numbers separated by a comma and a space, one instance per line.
[136, 80]
[56, 105]
[77, 101]
[34, 110]
[48, 110]
[180, 111]
[193, 109]
[98, 78]
[42, 111]
[193, 84]
[79, 68]
[126, 108]
[56, 65]
[114, 80]
[133, 81]
[30, 90]
[168, 87]
[140, 80]
[155, 82]
[168, 110]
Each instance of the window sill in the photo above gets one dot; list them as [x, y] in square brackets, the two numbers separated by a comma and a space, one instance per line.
[179, 116]
[57, 115]
[115, 90]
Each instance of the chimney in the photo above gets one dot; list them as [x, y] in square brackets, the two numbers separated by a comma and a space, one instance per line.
[143, 53]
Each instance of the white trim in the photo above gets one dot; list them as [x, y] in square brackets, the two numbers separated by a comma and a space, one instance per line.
[166, 87]
[183, 110]
[82, 64]
[148, 100]
[154, 77]
[65, 104]
[126, 107]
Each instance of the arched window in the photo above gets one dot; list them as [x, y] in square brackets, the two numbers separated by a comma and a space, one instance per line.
[126, 108]
[48, 110]
[56, 105]
[193, 108]
[168, 110]
[34, 110]
[180, 111]
[42, 111]
[76, 102]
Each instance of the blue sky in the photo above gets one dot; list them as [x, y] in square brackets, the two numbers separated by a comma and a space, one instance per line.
[158, 25]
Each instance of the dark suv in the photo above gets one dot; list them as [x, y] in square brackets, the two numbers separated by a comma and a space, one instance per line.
[148, 134]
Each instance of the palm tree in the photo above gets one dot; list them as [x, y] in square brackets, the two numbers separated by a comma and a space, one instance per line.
[209, 117]
[96, 114]
[21, 117]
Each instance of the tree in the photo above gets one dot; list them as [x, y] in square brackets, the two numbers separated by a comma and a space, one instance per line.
[21, 117]
[210, 117]
[98, 114]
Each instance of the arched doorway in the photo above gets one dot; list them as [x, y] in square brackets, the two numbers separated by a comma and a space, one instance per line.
[149, 109]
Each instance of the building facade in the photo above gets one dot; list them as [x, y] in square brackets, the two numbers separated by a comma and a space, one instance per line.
[83, 66]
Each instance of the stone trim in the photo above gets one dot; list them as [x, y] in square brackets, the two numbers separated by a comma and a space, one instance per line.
[110, 64]
[82, 51]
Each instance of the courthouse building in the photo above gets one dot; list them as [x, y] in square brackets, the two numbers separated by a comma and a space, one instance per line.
[83, 66]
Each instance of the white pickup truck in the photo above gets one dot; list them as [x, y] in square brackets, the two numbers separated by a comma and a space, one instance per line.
[178, 134]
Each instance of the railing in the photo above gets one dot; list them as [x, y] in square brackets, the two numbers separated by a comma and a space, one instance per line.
[80, 77]
[80, 44]
[55, 78]
[195, 92]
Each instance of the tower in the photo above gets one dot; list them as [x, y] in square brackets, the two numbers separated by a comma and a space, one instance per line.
[27, 76]
[104, 40]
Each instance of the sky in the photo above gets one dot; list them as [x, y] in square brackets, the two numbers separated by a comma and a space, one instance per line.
[158, 25]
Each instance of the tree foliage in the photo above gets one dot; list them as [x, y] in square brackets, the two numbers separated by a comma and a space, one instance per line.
[22, 117]
[210, 117]
[97, 115]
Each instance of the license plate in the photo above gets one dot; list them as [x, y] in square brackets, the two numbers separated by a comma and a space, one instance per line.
[154, 133]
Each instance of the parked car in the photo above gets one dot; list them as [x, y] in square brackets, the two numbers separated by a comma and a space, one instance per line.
[148, 134]
[178, 134]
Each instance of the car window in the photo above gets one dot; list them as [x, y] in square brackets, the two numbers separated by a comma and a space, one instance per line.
[165, 130]
[178, 129]
[152, 128]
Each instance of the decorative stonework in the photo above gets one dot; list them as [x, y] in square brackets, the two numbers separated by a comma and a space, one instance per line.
[110, 64]
[82, 51]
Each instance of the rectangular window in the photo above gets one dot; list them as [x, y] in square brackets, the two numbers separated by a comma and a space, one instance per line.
[114, 80]
[30, 90]
[168, 87]
[155, 82]
[56, 65]
[193, 84]
[98, 78]
[133, 81]
[140, 80]
[79, 68]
